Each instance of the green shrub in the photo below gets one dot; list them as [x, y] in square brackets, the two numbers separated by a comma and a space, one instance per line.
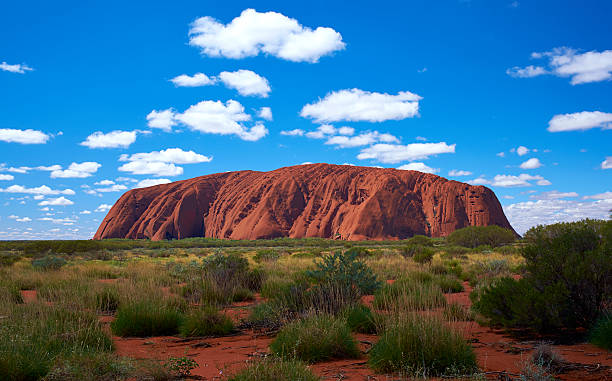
[601, 333]
[48, 262]
[359, 252]
[415, 250]
[567, 281]
[146, 318]
[420, 240]
[345, 269]
[107, 300]
[360, 319]
[422, 346]
[314, 339]
[104, 366]
[8, 259]
[457, 312]
[474, 236]
[273, 369]
[206, 322]
[242, 295]
[409, 295]
[448, 284]
[266, 255]
[455, 251]
[425, 255]
[181, 366]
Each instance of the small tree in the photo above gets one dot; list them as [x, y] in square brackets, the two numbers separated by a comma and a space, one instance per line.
[474, 236]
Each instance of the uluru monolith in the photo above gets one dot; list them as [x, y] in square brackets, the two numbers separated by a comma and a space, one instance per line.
[314, 200]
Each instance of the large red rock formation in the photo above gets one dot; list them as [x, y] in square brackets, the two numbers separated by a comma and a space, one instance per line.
[316, 200]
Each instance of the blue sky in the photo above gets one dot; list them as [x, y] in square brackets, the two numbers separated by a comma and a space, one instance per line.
[100, 98]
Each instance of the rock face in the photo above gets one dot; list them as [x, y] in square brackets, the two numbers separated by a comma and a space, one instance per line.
[315, 200]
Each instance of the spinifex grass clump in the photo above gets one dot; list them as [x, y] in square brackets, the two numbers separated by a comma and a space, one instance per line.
[146, 318]
[206, 322]
[422, 346]
[274, 369]
[314, 339]
[409, 294]
[360, 319]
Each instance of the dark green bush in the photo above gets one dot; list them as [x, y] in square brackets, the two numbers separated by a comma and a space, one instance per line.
[410, 294]
[107, 300]
[273, 369]
[146, 318]
[345, 269]
[422, 346]
[8, 259]
[448, 284]
[455, 251]
[48, 262]
[425, 255]
[206, 322]
[359, 252]
[314, 339]
[567, 281]
[474, 236]
[601, 333]
[266, 255]
[415, 250]
[420, 240]
[360, 319]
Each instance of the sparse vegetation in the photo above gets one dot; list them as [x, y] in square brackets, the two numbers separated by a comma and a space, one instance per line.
[475, 236]
[275, 369]
[206, 322]
[147, 318]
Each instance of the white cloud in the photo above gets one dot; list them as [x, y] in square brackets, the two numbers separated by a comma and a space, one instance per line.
[17, 68]
[526, 72]
[24, 219]
[607, 164]
[85, 211]
[532, 163]
[391, 153]
[246, 82]
[198, 79]
[112, 139]
[599, 196]
[363, 139]
[6, 177]
[265, 113]
[270, 33]
[586, 67]
[580, 121]
[346, 130]
[103, 208]
[41, 190]
[151, 182]
[296, 132]
[459, 172]
[160, 163]
[522, 150]
[418, 166]
[162, 119]
[112, 188]
[61, 201]
[105, 182]
[322, 131]
[500, 154]
[524, 215]
[77, 170]
[553, 195]
[64, 221]
[28, 136]
[358, 105]
[508, 181]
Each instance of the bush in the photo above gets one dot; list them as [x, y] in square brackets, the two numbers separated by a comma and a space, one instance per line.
[474, 236]
[107, 300]
[181, 366]
[457, 312]
[420, 240]
[448, 284]
[314, 339]
[567, 281]
[422, 346]
[455, 251]
[102, 366]
[414, 250]
[8, 259]
[206, 322]
[266, 255]
[601, 333]
[345, 269]
[360, 319]
[48, 262]
[147, 318]
[409, 295]
[273, 369]
[425, 255]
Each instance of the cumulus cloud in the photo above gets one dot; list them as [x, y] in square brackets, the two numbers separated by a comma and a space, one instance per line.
[103, 208]
[295, 132]
[270, 33]
[522, 150]
[532, 163]
[359, 105]
[508, 181]
[246, 82]
[607, 164]
[16, 68]
[113, 139]
[63, 221]
[524, 215]
[41, 190]
[161, 163]
[265, 113]
[59, 201]
[151, 182]
[4, 177]
[198, 79]
[112, 188]
[29, 136]
[77, 170]
[392, 153]
[418, 166]
[211, 117]
[553, 195]
[580, 121]
[599, 196]
[586, 67]
[363, 139]
[458, 172]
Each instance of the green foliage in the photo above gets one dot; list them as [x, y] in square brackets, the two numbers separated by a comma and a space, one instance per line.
[474, 236]
[206, 322]
[181, 366]
[147, 318]
[567, 284]
[448, 283]
[314, 339]
[420, 240]
[360, 319]
[48, 262]
[96, 367]
[455, 251]
[266, 255]
[601, 333]
[457, 312]
[359, 252]
[7, 259]
[345, 269]
[425, 255]
[422, 346]
[107, 300]
[274, 369]
[409, 294]
[417, 251]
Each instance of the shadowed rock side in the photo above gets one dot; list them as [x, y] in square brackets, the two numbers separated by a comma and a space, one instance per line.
[316, 200]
